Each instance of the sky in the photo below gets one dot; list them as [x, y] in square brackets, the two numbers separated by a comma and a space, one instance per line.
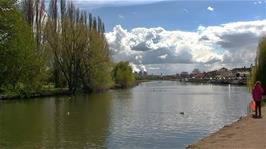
[170, 37]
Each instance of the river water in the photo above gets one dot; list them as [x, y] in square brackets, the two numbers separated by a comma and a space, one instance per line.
[159, 114]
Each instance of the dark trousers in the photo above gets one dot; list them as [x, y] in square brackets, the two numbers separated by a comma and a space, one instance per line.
[258, 107]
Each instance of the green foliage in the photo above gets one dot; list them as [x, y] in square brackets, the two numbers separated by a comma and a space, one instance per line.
[66, 46]
[123, 75]
[97, 63]
[100, 78]
[8, 17]
[33, 12]
[259, 71]
[21, 68]
[79, 48]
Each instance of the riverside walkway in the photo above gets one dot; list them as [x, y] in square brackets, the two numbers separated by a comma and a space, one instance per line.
[246, 133]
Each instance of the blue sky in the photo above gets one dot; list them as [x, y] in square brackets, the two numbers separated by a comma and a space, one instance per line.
[169, 37]
[174, 15]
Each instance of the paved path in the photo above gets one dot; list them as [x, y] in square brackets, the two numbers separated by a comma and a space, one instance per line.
[247, 133]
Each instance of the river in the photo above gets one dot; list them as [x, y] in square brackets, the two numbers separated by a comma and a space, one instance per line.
[158, 114]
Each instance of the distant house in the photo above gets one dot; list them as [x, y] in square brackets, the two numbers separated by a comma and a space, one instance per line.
[223, 69]
[225, 73]
[194, 73]
[184, 75]
[210, 75]
[241, 72]
[199, 76]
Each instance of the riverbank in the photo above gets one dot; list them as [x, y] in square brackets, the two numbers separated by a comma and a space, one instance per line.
[55, 92]
[38, 94]
[216, 81]
[246, 133]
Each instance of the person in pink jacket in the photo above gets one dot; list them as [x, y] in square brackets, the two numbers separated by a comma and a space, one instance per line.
[257, 93]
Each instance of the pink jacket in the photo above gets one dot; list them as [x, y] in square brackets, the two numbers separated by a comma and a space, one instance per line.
[257, 93]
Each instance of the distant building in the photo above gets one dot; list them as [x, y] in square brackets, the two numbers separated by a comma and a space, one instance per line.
[184, 75]
[194, 73]
[225, 73]
[241, 72]
[210, 75]
[220, 76]
[200, 75]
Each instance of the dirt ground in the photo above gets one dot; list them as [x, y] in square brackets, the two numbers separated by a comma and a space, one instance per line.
[246, 133]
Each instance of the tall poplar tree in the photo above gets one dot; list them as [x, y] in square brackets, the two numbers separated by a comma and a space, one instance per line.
[79, 47]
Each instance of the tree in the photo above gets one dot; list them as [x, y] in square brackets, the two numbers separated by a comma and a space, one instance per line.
[8, 18]
[79, 47]
[96, 64]
[21, 68]
[259, 71]
[79, 53]
[33, 12]
[123, 75]
[195, 71]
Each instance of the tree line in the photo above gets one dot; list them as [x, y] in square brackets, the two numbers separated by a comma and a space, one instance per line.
[63, 46]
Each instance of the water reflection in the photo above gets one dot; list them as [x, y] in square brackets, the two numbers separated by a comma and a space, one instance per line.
[65, 122]
[153, 119]
[147, 116]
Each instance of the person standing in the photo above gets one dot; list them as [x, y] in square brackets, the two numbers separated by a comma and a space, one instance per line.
[257, 93]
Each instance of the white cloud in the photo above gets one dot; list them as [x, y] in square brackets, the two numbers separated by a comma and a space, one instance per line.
[201, 28]
[138, 68]
[121, 16]
[232, 44]
[163, 56]
[210, 8]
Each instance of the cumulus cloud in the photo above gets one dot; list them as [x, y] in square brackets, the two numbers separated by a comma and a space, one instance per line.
[232, 44]
[210, 8]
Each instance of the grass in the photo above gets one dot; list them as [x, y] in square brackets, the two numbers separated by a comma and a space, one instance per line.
[46, 90]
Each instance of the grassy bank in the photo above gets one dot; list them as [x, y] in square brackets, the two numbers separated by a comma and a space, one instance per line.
[49, 91]
[37, 94]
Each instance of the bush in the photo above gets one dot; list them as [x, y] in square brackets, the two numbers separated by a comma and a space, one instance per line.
[123, 75]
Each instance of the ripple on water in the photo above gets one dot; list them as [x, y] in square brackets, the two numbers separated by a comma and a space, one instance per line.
[147, 116]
